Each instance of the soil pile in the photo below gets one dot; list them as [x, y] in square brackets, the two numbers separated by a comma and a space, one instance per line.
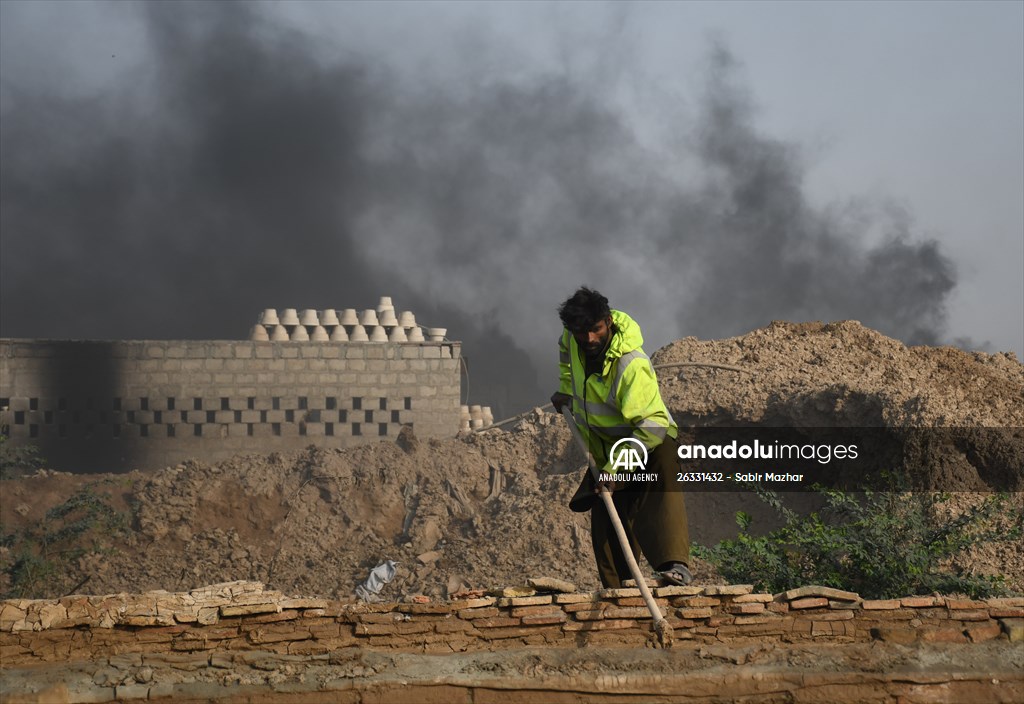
[487, 509]
[815, 375]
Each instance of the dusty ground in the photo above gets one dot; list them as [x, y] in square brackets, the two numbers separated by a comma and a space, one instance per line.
[490, 509]
[752, 672]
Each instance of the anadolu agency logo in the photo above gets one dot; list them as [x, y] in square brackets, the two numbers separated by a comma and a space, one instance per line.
[628, 455]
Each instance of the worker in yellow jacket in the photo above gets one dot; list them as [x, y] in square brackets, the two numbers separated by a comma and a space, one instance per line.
[607, 381]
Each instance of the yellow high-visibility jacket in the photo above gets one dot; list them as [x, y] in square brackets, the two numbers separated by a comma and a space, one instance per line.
[623, 400]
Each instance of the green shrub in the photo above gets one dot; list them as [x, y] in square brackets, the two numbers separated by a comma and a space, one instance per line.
[879, 544]
[17, 460]
[40, 558]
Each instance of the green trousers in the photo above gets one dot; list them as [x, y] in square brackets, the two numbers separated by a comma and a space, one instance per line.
[653, 517]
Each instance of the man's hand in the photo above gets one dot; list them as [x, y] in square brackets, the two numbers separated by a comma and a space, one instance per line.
[560, 400]
[609, 486]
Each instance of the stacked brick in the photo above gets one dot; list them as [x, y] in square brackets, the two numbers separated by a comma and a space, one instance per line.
[245, 616]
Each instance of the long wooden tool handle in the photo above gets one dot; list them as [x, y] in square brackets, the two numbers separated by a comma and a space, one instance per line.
[609, 505]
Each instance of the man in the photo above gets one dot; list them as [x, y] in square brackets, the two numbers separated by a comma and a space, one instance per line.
[608, 383]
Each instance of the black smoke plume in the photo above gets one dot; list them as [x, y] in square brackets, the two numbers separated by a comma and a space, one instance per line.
[245, 169]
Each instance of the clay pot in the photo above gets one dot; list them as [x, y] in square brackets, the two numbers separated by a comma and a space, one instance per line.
[397, 334]
[329, 317]
[358, 334]
[349, 317]
[258, 333]
[339, 334]
[289, 317]
[279, 334]
[436, 334]
[378, 334]
[269, 317]
[309, 318]
[319, 334]
[299, 334]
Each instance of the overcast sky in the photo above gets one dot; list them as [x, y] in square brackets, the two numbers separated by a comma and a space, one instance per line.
[171, 169]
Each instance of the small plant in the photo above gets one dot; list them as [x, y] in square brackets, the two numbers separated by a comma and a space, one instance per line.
[878, 544]
[17, 460]
[39, 558]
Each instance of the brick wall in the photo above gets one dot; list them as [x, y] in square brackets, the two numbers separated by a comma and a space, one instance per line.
[114, 406]
[243, 615]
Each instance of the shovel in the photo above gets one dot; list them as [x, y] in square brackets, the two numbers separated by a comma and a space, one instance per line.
[661, 626]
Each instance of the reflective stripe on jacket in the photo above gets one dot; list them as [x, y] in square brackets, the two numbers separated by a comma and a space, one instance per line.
[623, 400]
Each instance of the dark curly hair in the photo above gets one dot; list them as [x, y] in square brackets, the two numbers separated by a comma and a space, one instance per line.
[584, 310]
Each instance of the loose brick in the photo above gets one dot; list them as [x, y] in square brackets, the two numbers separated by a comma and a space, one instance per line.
[619, 592]
[818, 591]
[535, 610]
[754, 620]
[639, 612]
[1006, 602]
[676, 590]
[543, 619]
[969, 615]
[1013, 628]
[919, 602]
[425, 608]
[751, 608]
[809, 603]
[728, 589]
[524, 601]
[607, 625]
[696, 601]
[843, 615]
[983, 632]
[589, 615]
[496, 622]
[965, 604]
[463, 604]
[485, 612]
[694, 613]
[1006, 613]
[753, 598]
[880, 604]
[575, 598]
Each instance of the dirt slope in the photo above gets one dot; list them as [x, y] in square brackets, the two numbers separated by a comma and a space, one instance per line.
[491, 508]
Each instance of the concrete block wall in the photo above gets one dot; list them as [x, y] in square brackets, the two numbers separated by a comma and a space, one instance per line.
[116, 406]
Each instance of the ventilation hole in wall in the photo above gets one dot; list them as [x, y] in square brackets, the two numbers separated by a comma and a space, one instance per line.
[303, 403]
[144, 431]
[33, 431]
[250, 403]
[263, 416]
[313, 416]
[408, 403]
[357, 403]
[115, 430]
[224, 404]
[368, 416]
[238, 416]
[383, 404]
[117, 404]
[394, 417]
[183, 415]
[302, 428]
[19, 417]
[275, 403]
[197, 404]
[48, 417]
[170, 430]
[158, 416]
[197, 430]
[62, 404]
[248, 430]
[289, 416]
[211, 416]
[144, 403]
[330, 403]
[382, 429]
[275, 428]
[131, 416]
[5, 402]
[329, 429]
[62, 431]
[33, 404]
[356, 430]
[170, 403]
[343, 416]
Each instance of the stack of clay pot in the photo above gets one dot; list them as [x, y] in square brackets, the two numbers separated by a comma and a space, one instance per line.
[475, 417]
[380, 324]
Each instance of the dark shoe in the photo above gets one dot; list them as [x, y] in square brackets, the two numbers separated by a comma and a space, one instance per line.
[678, 574]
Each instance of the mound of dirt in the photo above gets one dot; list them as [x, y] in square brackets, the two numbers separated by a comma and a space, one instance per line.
[479, 510]
[815, 375]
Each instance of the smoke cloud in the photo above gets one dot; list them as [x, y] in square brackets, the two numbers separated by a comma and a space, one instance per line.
[249, 168]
